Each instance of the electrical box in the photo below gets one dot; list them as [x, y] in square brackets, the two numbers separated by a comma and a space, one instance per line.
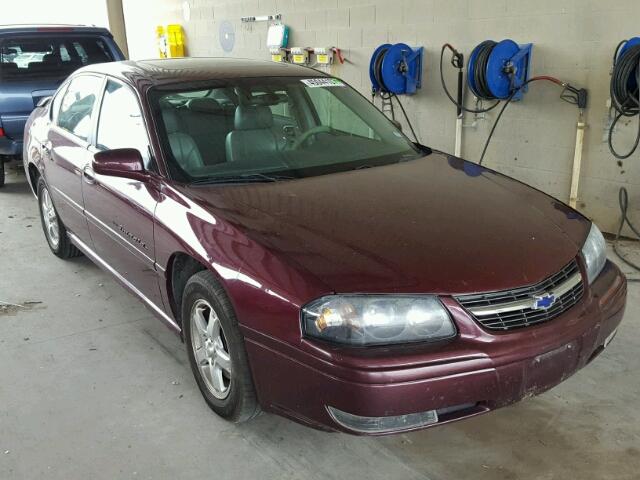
[277, 36]
[278, 55]
[299, 56]
[324, 56]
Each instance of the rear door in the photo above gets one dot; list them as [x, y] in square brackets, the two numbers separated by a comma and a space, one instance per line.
[120, 211]
[32, 66]
[65, 151]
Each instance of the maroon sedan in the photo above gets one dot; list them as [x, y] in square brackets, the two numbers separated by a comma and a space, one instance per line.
[316, 262]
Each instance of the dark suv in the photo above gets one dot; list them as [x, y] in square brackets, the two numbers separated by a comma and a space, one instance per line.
[34, 61]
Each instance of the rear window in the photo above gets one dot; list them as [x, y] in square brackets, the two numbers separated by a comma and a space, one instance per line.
[49, 57]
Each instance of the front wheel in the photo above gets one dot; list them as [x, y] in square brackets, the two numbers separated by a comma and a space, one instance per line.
[216, 349]
[54, 230]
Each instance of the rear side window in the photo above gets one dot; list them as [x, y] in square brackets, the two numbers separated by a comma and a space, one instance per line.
[55, 104]
[78, 105]
[40, 57]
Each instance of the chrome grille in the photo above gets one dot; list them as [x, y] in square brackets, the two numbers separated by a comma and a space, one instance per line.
[511, 309]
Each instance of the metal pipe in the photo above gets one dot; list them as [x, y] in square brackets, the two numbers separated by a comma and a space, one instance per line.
[577, 161]
[457, 149]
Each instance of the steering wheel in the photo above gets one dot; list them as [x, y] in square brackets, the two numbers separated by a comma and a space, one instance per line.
[312, 132]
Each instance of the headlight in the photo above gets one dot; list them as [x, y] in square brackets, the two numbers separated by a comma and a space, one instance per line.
[594, 252]
[377, 319]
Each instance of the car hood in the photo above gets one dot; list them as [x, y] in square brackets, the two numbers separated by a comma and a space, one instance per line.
[433, 225]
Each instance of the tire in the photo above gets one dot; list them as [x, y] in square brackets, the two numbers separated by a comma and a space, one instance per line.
[214, 342]
[2, 172]
[59, 244]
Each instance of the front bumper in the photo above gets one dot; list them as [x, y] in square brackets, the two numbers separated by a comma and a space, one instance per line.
[477, 372]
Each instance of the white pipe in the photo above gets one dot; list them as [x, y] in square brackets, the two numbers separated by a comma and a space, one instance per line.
[457, 149]
[577, 161]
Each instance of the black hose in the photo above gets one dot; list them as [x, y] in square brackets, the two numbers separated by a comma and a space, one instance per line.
[495, 123]
[482, 89]
[406, 117]
[458, 104]
[377, 70]
[625, 100]
[507, 102]
[623, 201]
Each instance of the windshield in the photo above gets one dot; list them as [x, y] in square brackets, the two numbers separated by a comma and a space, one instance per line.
[41, 57]
[270, 129]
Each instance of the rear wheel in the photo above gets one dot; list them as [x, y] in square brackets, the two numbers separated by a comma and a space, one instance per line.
[216, 349]
[54, 230]
[1, 172]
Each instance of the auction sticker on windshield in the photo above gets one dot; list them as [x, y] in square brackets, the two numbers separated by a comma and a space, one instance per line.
[322, 82]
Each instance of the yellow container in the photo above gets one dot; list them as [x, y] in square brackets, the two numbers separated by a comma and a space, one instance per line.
[161, 40]
[175, 41]
[170, 41]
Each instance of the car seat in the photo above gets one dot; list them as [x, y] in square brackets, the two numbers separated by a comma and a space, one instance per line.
[183, 146]
[253, 139]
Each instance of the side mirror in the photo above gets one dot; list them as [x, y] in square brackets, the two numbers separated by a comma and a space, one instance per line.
[120, 162]
[43, 102]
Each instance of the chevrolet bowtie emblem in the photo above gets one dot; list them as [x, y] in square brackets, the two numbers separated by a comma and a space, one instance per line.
[544, 301]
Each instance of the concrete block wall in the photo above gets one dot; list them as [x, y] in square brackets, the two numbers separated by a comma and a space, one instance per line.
[574, 40]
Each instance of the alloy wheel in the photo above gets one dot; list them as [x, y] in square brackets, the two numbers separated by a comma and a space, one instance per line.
[210, 349]
[50, 219]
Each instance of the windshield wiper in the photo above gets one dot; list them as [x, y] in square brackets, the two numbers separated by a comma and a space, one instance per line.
[243, 178]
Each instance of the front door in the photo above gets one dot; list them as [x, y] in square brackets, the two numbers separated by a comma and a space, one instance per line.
[65, 151]
[120, 211]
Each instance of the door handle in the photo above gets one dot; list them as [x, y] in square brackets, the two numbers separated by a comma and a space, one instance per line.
[87, 175]
[46, 148]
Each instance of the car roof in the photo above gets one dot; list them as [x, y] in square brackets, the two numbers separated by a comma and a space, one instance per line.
[50, 28]
[192, 69]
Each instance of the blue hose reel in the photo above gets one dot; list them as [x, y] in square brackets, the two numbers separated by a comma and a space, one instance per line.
[496, 69]
[396, 69]
[624, 48]
[625, 98]
[632, 42]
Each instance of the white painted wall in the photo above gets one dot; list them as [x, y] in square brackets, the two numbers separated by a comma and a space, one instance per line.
[93, 12]
[141, 19]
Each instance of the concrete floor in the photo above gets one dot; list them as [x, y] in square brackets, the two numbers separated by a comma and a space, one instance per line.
[93, 386]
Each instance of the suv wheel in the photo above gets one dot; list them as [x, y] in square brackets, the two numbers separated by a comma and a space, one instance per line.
[216, 349]
[54, 230]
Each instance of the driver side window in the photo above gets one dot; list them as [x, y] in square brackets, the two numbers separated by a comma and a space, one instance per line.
[120, 124]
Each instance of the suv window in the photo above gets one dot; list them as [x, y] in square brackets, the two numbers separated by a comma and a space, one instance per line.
[120, 124]
[77, 105]
[49, 57]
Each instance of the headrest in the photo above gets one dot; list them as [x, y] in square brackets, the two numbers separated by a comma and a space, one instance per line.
[10, 66]
[170, 118]
[253, 117]
[50, 58]
[204, 105]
